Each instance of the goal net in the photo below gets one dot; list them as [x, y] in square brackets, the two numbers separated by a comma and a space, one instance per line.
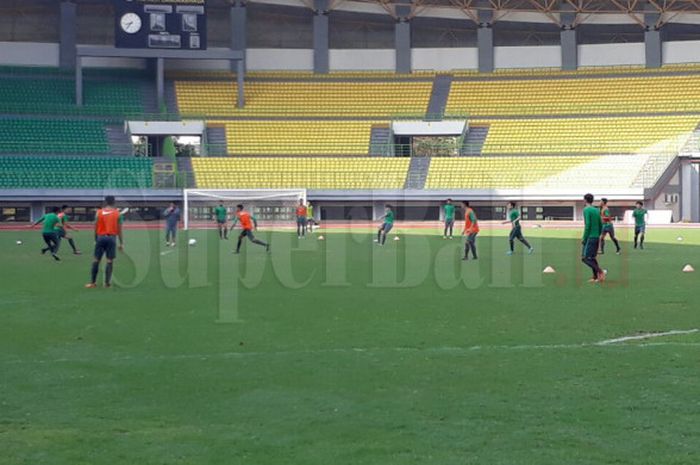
[265, 204]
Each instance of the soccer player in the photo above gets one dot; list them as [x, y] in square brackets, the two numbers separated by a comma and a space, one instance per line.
[52, 224]
[108, 227]
[248, 223]
[63, 233]
[310, 222]
[608, 227]
[172, 218]
[386, 226]
[221, 216]
[301, 219]
[471, 230]
[449, 219]
[640, 224]
[516, 232]
[591, 237]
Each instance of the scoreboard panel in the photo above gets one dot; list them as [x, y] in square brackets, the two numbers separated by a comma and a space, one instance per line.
[165, 24]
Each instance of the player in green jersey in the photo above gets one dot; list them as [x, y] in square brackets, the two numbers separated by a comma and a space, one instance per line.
[221, 217]
[310, 221]
[449, 219]
[608, 227]
[386, 226]
[51, 227]
[65, 226]
[516, 232]
[640, 224]
[591, 238]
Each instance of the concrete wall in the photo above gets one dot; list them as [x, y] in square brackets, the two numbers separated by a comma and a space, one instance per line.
[681, 52]
[28, 54]
[545, 56]
[260, 59]
[441, 59]
[362, 59]
[445, 59]
[611, 54]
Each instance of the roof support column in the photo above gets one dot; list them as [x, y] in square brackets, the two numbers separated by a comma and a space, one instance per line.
[238, 22]
[484, 40]
[402, 37]
[68, 37]
[652, 41]
[321, 40]
[569, 42]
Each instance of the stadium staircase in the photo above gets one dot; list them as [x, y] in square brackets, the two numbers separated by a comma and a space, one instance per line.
[380, 141]
[149, 98]
[186, 172]
[216, 140]
[171, 98]
[118, 140]
[417, 173]
[692, 145]
[474, 141]
[438, 97]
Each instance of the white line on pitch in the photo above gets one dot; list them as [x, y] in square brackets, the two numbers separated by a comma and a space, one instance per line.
[638, 337]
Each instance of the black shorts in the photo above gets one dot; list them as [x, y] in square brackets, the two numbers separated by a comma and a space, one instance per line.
[51, 237]
[590, 248]
[249, 233]
[221, 222]
[106, 245]
[515, 233]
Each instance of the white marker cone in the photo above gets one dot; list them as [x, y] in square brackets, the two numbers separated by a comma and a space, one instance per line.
[320, 238]
[397, 238]
[549, 270]
[688, 269]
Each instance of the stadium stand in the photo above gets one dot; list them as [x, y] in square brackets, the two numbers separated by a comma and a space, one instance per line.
[611, 135]
[541, 172]
[589, 96]
[52, 136]
[305, 99]
[289, 137]
[84, 172]
[311, 173]
[48, 95]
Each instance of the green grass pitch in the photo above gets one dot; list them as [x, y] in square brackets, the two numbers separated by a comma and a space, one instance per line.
[341, 352]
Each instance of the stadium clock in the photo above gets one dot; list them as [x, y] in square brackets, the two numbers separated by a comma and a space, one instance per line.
[130, 23]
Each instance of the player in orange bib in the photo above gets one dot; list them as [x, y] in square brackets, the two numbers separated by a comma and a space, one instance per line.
[248, 224]
[301, 219]
[108, 227]
[471, 229]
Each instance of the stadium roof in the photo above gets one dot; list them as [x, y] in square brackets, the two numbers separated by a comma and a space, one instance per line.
[667, 10]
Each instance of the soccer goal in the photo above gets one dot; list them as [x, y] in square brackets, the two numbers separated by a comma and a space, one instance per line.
[265, 204]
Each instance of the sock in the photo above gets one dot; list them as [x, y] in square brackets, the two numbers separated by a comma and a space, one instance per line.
[93, 271]
[641, 241]
[512, 246]
[45, 249]
[466, 249]
[445, 232]
[602, 245]
[221, 233]
[473, 246]
[617, 244]
[108, 273]
[525, 243]
[379, 235]
[238, 247]
[259, 242]
[383, 238]
[225, 233]
[72, 244]
[636, 237]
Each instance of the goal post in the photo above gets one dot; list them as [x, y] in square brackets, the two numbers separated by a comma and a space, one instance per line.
[265, 204]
